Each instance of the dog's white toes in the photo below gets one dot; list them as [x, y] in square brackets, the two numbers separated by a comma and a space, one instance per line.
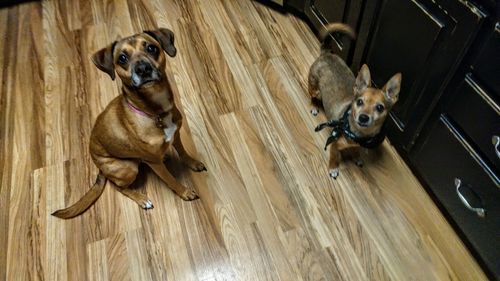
[334, 173]
[148, 205]
[314, 111]
[360, 163]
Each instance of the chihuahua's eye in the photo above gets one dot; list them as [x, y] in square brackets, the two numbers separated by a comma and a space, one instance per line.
[122, 59]
[359, 102]
[379, 108]
[152, 49]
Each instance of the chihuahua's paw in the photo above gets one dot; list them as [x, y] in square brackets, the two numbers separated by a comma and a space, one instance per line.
[189, 195]
[359, 163]
[314, 111]
[334, 173]
[197, 166]
[147, 204]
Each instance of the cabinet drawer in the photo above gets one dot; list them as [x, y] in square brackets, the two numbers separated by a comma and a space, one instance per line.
[487, 66]
[477, 114]
[445, 157]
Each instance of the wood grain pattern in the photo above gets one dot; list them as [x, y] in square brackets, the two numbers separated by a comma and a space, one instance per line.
[269, 210]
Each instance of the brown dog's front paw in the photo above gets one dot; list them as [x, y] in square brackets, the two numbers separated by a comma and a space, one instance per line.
[189, 195]
[334, 173]
[314, 111]
[197, 166]
[146, 204]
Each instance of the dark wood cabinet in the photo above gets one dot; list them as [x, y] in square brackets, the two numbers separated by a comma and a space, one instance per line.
[425, 41]
[458, 141]
[465, 188]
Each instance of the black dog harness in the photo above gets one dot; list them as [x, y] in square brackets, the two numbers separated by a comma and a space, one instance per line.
[341, 126]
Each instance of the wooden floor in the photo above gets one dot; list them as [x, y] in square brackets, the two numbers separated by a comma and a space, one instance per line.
[240, 73]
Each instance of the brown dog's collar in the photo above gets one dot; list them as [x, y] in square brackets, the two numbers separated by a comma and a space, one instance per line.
[157, 118]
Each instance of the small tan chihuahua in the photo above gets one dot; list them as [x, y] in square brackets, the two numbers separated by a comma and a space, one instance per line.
[354, 109]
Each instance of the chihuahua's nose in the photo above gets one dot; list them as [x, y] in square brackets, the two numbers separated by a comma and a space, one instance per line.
[363, 118]
[143, 68]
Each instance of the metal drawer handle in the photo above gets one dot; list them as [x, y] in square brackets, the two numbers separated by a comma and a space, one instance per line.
[496, 143]
[479, 211]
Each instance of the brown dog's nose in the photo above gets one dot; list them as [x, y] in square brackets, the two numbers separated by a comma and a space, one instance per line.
[143, 68]
[363, 118]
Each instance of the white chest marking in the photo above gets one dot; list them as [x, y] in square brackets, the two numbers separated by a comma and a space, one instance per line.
[169, 129]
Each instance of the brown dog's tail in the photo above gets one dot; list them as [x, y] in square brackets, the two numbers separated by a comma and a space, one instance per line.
[85, 202]
[334, 28]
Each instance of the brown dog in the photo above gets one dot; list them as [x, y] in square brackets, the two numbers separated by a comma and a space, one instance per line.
[357, 111]
[139, 125]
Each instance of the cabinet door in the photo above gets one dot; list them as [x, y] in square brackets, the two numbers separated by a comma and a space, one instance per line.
[426, 41]
[330, 11]
[322, 12]
[487, 65]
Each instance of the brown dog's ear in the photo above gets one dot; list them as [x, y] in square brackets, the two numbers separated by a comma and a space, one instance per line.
[392, 88]
[103, 59]
[363, 80]
[166, 39]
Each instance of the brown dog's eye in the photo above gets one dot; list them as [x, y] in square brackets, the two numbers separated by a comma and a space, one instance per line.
[359, 102]
[152, 49]
[379, 108]
[122, 59]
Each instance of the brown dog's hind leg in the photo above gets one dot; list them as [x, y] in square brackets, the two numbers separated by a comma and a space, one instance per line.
[184, 192]
[122, 174]
[334, 162]
[192, 163]
[139, 198]
[313, 88]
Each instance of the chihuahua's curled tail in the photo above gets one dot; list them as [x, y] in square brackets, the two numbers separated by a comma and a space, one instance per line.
[334, 28]
[85, 202]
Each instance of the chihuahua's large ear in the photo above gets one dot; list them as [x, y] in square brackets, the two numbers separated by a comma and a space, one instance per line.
[166, 39]
[363, 80]
[392, 87]
[103, 59]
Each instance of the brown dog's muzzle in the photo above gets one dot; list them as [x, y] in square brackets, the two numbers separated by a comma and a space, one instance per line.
[363, 120]
[144, 72]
